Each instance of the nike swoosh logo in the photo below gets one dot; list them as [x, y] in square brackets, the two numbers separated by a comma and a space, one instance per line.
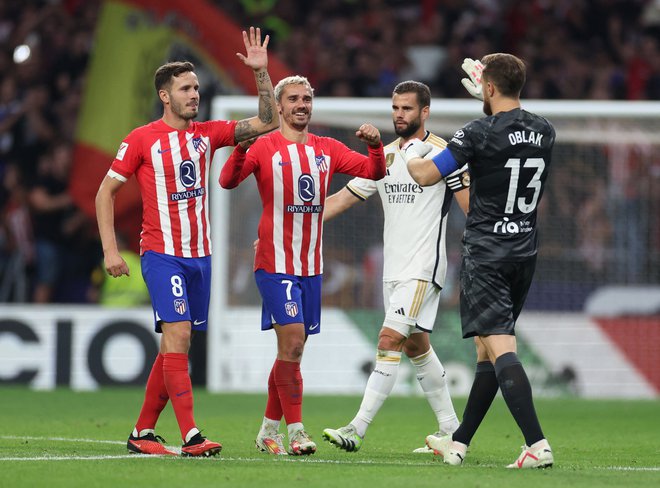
[183, 393]
[284, 163]
[199, 322]
[314, 327]
[161, 151]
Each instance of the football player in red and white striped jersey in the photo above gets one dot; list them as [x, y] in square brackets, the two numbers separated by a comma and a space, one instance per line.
[171, 160]
[293, 169]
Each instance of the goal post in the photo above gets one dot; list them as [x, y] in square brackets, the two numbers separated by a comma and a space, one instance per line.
[599, 222]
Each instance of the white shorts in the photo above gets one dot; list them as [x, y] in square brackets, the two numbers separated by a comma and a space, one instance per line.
[410, 306]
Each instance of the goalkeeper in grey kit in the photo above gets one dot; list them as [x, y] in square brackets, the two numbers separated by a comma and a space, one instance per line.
[508, 153]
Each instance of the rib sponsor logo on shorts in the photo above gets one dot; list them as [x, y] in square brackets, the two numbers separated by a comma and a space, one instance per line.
[291, 309]
[180, 306]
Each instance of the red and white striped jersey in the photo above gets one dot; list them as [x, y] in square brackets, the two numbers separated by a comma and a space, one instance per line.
[293, 181]
[172, 169]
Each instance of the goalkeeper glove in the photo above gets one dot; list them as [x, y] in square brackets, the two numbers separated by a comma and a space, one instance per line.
[415, 149]
[473, 84]
[458, 180]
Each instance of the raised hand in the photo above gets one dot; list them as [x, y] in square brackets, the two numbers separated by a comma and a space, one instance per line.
[257, 55]
[473, 84]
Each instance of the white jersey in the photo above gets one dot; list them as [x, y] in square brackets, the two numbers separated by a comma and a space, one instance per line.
[415, 218]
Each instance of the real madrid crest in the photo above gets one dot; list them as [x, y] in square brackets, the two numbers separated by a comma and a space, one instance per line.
[465, 179]
[389, 159]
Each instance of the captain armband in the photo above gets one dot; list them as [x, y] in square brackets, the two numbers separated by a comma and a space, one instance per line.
[445, 162]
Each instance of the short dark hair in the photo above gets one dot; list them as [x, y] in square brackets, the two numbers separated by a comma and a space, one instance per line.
[506, 72]
[164, 74]
[423, 92]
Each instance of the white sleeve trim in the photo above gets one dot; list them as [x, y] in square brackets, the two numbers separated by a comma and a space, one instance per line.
[117, 176]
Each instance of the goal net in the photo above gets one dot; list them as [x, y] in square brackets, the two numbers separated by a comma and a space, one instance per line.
[599, 228]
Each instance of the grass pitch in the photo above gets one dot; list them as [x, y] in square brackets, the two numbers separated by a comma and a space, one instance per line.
[62, 438]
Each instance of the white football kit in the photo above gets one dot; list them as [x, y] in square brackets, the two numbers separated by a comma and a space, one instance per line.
[415, 257]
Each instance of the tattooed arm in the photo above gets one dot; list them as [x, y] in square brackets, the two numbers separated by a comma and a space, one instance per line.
[257, 59]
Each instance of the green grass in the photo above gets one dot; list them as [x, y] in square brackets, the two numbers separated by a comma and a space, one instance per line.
[596, 443]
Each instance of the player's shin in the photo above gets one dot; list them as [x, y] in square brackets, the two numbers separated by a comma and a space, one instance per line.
[179, 388]
[433, 380]
[155, 398]
[289, 383]
[379, 386]
[483, 391]
[517, 393]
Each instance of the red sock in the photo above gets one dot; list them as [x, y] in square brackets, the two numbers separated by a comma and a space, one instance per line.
[273, 405]
[289, 383]
[179, 388]
[155, 397]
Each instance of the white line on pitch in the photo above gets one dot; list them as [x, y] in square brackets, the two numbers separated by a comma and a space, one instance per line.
[239, 459]
[78, 458]
[59, 439]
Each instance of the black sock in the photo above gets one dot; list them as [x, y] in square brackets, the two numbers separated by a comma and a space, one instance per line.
[483, 391]
[517, 393]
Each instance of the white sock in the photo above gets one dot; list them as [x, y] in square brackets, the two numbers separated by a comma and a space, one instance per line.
[269, 426]
[379, 386]
[143, 432]
[191, 433]
[431, 377]
[295, 427]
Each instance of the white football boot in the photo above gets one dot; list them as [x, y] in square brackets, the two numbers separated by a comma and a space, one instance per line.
[452, 452]
[537, 456]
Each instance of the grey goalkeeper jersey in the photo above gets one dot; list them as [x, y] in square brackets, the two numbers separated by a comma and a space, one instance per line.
[508, 155]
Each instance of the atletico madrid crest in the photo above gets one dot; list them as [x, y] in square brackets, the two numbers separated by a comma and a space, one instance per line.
[199, 145]
[321, 163]
[291, 309]
[180, 306]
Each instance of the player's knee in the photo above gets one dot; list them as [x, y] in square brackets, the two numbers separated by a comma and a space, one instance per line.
[482, 351]
[293, 349]
[412, 350]
[390, 340]
[176, 337]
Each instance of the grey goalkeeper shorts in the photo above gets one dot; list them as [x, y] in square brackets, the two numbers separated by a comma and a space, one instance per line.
[493, 294]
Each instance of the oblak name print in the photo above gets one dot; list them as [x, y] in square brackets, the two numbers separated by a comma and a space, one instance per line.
[525, 137]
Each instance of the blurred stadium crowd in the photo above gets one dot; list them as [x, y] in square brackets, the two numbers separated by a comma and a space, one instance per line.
[577, 49]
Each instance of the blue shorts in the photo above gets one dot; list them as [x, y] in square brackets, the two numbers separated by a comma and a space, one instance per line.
[289, 299]
[180, 288]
